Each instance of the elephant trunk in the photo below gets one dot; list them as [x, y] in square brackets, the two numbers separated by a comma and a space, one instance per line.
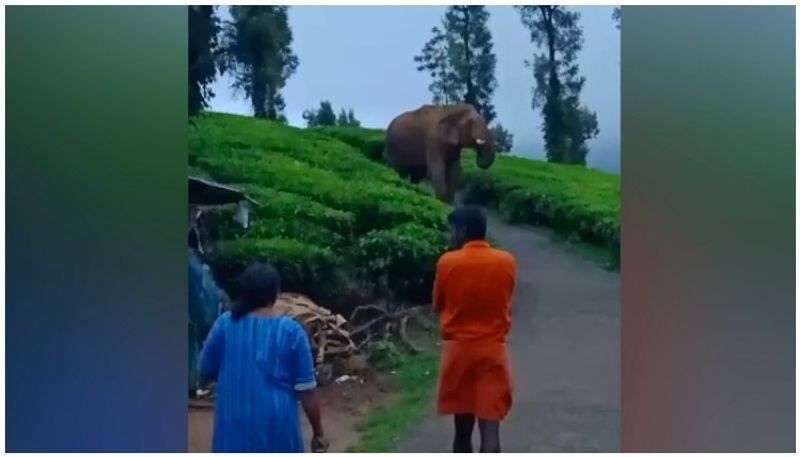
[485, 156]
[485, 162]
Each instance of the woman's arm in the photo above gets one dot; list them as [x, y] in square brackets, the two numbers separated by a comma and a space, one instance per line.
[211, 354]
[304, 385]
[308, 398]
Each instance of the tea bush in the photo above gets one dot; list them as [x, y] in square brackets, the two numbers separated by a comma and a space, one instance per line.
[573, 200]
[304, 267]
[324, 211]
[579, 202]
[387, 256]
[369, 141]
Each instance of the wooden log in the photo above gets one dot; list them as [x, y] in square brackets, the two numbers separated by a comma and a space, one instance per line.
[358, 330]
[323, 342]
[404, 336]
[361, 309]
[363, 343]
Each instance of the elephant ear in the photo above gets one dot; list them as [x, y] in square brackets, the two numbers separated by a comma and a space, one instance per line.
[453, 126]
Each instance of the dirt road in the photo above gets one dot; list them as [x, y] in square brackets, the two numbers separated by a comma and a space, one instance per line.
[564, 349]
[343, 405]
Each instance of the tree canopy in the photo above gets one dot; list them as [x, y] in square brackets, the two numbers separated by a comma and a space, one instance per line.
[325, 115]
[203, 48]
[567, 124]
[257, 52]
[461, 61]
[504, 140]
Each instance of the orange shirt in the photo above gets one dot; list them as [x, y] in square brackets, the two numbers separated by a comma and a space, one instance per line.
[472, 292]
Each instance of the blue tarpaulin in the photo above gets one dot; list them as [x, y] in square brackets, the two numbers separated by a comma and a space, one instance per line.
[205, 303]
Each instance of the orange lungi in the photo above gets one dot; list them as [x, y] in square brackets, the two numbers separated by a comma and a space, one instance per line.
[472, 293]
[475, 378]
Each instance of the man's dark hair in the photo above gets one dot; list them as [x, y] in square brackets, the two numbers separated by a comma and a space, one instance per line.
[259, 286]
[471, 219]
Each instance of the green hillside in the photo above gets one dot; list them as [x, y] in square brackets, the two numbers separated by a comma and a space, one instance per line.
[340, 227]
[576, 201]
[345, 229]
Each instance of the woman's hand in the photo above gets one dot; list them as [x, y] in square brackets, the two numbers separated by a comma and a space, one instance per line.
[319, 444]
[308, 399]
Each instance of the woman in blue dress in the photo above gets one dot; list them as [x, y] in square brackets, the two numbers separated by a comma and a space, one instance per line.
[263, 366]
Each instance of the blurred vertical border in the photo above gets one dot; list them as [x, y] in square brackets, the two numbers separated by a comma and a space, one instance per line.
[708, 228]
[96, 137]
[96, 195]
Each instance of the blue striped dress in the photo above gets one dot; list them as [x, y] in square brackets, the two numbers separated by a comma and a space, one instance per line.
[259, 363]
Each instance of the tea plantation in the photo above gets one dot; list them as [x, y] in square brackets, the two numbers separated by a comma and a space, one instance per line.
[576, 201]
[343, 228]
[340, 227]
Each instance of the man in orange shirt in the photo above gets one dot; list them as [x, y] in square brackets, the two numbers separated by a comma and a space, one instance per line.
[472, 294]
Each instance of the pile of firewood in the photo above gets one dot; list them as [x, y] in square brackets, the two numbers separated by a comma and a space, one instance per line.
[333, 336]
[327, 331]
[381, 322]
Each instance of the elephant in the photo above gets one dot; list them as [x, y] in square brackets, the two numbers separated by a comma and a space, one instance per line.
[428, 142]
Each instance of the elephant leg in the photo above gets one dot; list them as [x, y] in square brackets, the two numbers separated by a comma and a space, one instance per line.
[453, 180]
[402, 172]
[417, 174]
[438, 175]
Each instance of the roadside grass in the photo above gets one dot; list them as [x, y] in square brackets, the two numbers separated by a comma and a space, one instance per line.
[384, 427]
[415, 376]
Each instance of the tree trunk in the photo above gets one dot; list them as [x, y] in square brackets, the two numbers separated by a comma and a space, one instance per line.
[258, 95]
[553, 111]
[441, 64]
[469, 97]
[271, 112]
[555, 85]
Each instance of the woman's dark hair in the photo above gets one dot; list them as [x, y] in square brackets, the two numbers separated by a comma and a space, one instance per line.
[259, 286]
[471, 219]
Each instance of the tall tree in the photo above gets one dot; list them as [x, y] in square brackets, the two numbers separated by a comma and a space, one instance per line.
[310, 116]
[472, 59]
[325, 115]
[434, 59]
[322, 116]
[257, 50]
[461, 60]
[567, 124]
[203, 47]
[503, 139]
[580, 125]
[347, 118]
[341, 119]
[351, 119]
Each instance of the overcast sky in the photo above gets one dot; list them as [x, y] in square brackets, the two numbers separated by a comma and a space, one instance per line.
[361, 57]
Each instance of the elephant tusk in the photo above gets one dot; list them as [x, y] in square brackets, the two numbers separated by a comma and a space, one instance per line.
[480, 141]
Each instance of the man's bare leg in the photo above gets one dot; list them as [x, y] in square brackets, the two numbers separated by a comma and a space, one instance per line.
[490, 435]
[464, 425]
